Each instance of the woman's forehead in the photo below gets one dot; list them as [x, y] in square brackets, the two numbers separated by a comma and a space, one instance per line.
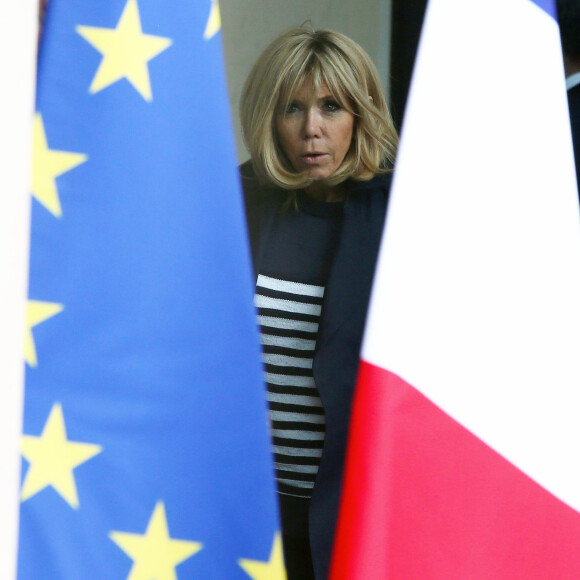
[309, 89]
[314, 86]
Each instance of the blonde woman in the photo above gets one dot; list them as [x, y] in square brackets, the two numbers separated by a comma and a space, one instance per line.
[322, 145]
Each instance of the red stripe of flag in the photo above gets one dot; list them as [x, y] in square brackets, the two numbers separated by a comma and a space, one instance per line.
[426, 499]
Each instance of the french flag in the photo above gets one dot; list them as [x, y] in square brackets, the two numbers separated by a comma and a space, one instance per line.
[464, 452]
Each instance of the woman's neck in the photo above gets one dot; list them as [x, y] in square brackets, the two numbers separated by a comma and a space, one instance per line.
[324, 192]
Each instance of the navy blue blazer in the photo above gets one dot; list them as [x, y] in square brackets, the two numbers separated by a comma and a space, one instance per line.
[336, 357]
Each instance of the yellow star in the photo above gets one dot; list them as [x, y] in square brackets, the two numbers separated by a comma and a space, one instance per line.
[126, 51]
[155, 554]
[47, 165]
[52, 458]
[214, 22]
[37, 312]
[271, 570]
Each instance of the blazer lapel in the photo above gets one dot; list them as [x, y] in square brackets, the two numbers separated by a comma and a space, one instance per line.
[352, 270]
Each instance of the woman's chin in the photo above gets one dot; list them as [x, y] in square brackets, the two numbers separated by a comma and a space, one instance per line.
[317, 174]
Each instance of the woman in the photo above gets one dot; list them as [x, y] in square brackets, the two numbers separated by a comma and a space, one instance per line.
[322, 143]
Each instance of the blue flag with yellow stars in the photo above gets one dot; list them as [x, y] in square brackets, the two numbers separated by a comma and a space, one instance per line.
[145, 446]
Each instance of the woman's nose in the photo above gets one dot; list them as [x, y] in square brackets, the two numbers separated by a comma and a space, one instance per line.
[312, 124]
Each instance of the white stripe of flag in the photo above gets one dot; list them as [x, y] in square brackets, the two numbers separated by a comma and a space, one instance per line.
[18, 33]
[477, 296]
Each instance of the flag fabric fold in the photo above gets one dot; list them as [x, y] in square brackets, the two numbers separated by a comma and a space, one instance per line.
[463, 453]
[145, 439]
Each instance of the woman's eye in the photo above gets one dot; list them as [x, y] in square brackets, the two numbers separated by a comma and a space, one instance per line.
[331, 106]
[292, 108]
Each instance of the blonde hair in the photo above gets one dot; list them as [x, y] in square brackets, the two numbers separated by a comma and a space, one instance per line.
[317, 56]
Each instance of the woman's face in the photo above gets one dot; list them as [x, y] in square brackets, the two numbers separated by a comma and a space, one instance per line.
[315, 132]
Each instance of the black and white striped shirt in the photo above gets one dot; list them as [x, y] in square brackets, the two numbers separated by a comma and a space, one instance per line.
[289, 316]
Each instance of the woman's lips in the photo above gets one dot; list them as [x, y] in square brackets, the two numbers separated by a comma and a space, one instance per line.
[313, 158]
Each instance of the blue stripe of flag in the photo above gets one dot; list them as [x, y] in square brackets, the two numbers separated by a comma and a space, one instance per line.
[548, 6]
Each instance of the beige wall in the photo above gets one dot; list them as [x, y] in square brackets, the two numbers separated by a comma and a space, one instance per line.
[249, 25]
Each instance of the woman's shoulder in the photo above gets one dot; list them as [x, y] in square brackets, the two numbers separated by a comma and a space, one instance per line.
[254, 189]
[247, 170]
[256, 192]
[379, 185]
[260, 199]
[250, 183]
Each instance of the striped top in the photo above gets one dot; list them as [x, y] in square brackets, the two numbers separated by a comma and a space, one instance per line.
[289, 316]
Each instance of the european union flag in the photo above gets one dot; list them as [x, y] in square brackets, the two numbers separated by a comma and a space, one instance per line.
[145, 431]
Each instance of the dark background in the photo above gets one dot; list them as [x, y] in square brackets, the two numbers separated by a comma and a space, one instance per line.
[406, 29]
